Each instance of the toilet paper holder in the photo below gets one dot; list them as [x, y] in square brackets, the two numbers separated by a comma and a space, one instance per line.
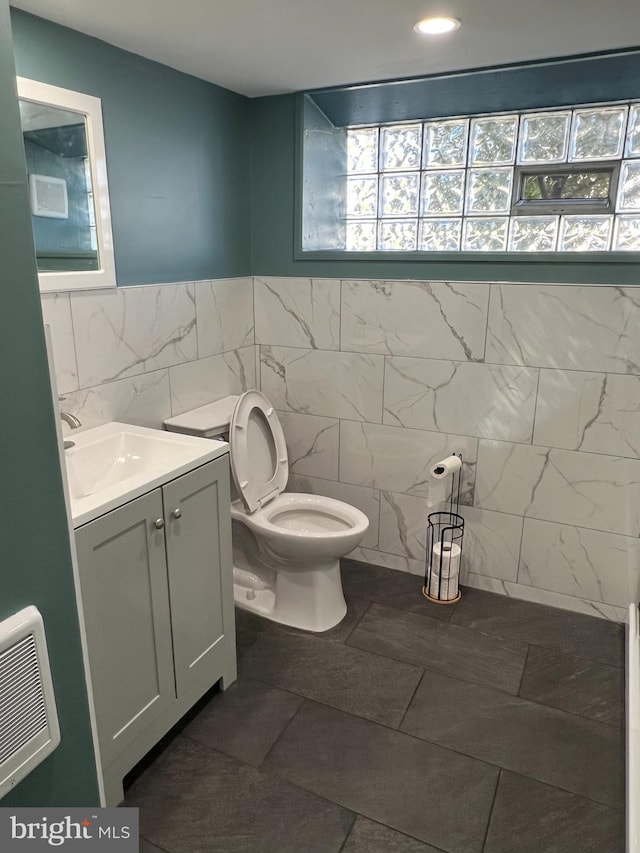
[445, 534]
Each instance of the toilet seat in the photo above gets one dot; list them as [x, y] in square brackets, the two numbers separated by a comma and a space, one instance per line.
[259, 459]
[298, 515]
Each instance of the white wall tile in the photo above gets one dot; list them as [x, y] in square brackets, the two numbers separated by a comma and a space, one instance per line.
[142, 400]
[208, 379]
[366, 500]
[319, 382]
[56, 313]
[491, 544]
[392, 561]
[225, 315]
[133, 330]
[399, 460]
[403, 524]
[416, 318]
[590, 564]
[298, 312]
[256, 366]
[312, 444]
[582, 489]
[543, 596]
[596, 412]
[563, 326]
[491, 401]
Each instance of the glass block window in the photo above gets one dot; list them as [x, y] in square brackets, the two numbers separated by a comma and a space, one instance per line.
[565, 180]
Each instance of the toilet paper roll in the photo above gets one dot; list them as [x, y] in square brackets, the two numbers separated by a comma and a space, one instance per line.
[443, 579]
[446, 559]
[446, 467]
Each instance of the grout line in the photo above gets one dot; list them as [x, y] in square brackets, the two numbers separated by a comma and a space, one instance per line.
[362, 615]
[489, 816]
[353, 823]
[195, 307]
[453, 435]
[452, 360]
[517, 580]
[535, 406]
[267, 772]
[277, 740]
[410, 702]
[486, 325]
[163, 849]
[420, 841]
[524, 667]
[73, 338]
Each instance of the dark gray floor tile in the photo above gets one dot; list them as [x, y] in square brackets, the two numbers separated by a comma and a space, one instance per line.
[550, 627]
[441, 647]
[388, 586]
[578, 755]
[147, 847]
[249, 627]
[194, 799]
[367, 836]
[575, 684]
[338, 675]
[529, 817]
[417, 788]
[245, 721]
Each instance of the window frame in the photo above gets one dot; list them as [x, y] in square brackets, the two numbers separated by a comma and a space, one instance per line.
[573, 82]
[575, 206]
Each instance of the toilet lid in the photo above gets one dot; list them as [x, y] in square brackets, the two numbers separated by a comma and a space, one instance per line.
[258, 451]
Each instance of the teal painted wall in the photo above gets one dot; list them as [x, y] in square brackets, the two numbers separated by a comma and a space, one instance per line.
[275, 225]
[35, 561]
[177, 154]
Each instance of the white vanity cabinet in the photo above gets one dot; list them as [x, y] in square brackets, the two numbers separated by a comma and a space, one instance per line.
[157, 591]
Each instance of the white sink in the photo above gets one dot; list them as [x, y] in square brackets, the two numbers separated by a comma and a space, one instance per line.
[115, 463]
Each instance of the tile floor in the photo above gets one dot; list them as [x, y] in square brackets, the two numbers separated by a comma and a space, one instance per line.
[490, 726]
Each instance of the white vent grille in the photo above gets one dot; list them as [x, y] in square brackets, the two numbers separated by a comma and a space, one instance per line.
[48, 196]
[28, 719]
[22, 710]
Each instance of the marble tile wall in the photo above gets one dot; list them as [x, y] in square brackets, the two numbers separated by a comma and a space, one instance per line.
[142, 354]
[537, 385]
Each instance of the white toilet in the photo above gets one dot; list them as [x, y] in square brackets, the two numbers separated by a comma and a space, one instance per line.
[286, 546]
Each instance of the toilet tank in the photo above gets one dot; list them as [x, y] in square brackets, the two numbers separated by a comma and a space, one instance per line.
[209, 421]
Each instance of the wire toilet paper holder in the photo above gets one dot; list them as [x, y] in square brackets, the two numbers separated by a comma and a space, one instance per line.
[445, 534]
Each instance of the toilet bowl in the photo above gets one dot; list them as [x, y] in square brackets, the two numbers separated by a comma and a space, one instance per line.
[286, 546]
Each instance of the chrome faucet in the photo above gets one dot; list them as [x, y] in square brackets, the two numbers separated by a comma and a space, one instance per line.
[72, 420]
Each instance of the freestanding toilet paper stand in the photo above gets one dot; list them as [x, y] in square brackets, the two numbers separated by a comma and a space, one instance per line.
[445, 532]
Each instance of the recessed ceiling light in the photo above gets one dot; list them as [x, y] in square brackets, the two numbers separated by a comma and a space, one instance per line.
[436, 26]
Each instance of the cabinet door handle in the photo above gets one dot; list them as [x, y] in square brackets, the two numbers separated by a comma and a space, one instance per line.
[158, 523]
[177, 513]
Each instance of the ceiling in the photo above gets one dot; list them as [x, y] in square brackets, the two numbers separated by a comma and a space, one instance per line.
[265, 47]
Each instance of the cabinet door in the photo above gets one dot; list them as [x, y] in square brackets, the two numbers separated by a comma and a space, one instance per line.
[200, 574]
[123, 577]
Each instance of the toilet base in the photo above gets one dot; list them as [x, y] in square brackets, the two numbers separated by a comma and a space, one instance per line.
[302, 597]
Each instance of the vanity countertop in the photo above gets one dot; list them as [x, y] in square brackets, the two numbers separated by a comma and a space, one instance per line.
[112, 464]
